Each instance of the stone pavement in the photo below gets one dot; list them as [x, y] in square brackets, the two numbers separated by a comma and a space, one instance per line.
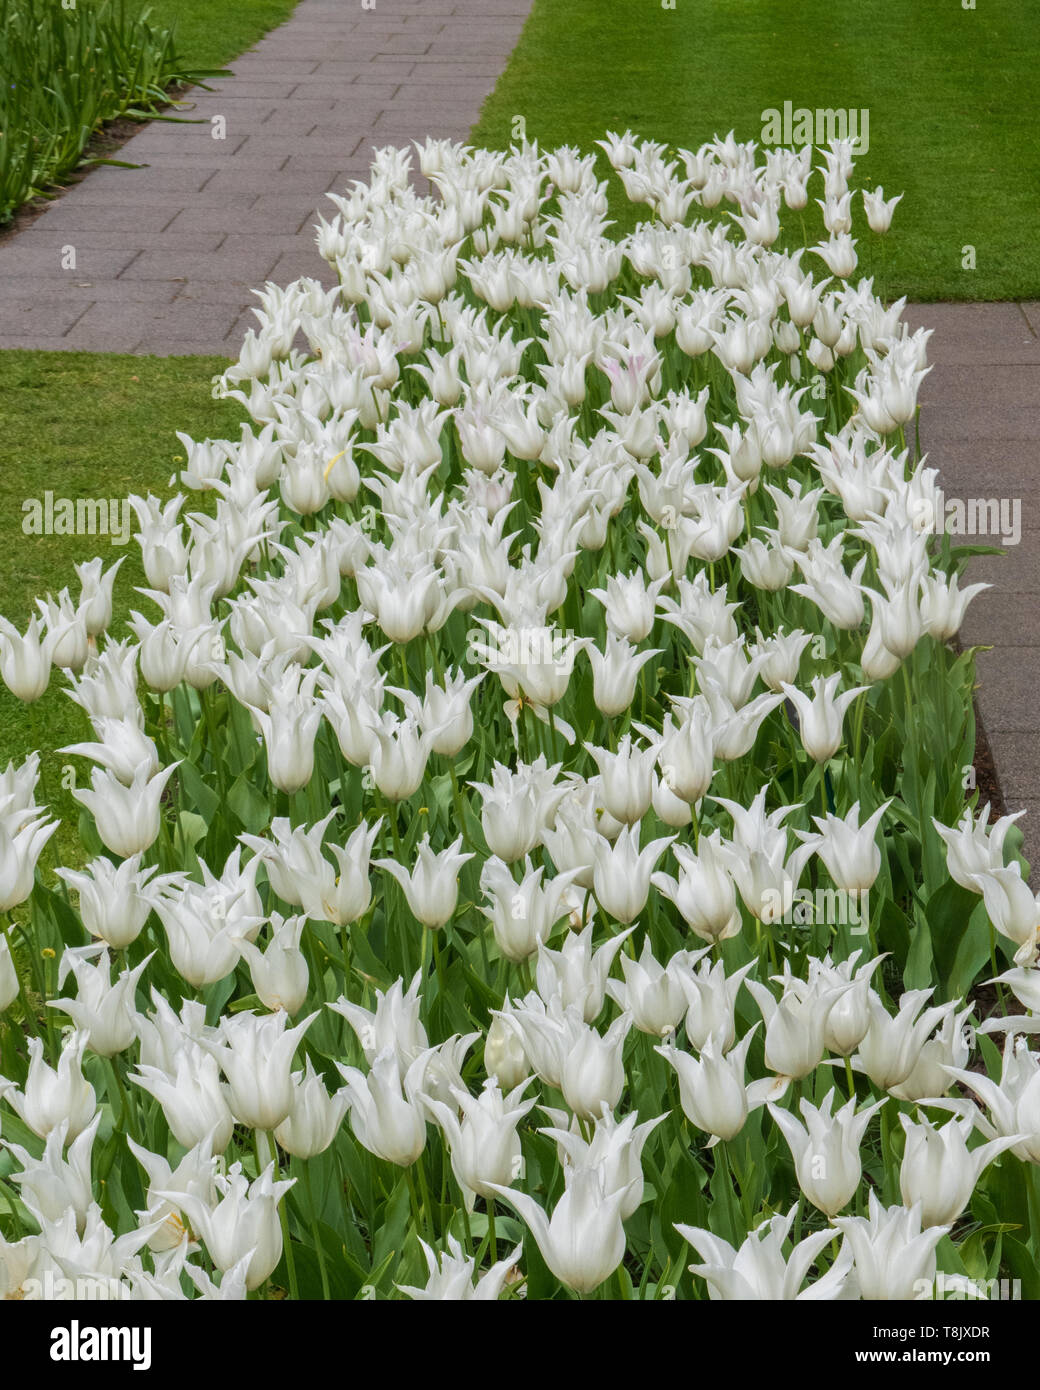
[980, 425]
[165, 257]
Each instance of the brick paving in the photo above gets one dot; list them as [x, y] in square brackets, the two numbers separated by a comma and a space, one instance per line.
[166, 256]
[980, 424]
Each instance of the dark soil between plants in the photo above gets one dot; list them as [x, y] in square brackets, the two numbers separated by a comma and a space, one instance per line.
[104, 144]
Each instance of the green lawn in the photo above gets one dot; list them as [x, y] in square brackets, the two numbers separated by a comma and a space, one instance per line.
[208, 35]
[86, 425]
[952, 96]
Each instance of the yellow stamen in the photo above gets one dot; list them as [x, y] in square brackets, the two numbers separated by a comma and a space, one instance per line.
[333, 462]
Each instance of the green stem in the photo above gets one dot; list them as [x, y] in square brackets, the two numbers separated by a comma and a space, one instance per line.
[729, 1194]
[315, 1232]
[265, 1143]
[492, 1236]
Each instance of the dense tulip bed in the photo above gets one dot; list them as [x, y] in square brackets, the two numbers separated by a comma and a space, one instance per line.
[528, 850]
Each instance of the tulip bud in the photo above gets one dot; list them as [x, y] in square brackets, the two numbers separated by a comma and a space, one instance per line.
[504, 1056]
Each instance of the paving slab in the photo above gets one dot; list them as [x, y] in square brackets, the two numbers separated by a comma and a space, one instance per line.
[980, 424]
[167, 255]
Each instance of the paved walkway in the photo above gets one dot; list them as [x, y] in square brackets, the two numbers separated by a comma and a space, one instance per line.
[980, 424]
[166, 256]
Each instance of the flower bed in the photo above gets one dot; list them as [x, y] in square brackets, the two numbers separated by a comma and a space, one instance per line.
[66, 71]
[528, 839]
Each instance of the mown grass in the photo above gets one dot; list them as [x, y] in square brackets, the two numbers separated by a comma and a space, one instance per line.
[209, 33]
[952, 96]
[86, 425]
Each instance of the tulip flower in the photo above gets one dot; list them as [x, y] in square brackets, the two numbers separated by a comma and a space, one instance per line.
[399, 754]
[432, 887]
[576, 973]
[939, 1172]
[704, 893]
[758, 1270]
[289, 728]
[504, 1055]
[25, 662]
[711, 1088]
[621, 872]
[346, 898]
[66, 626]
[386, 1109]
[973, 847]
[523, 914]
[848, 849]
[820, 718]
[795, 1027]
[615, 1149]
[544, 1031]
[879, 210]
[944, 604]
[52, 1185]
[652, 993]
[104, 1011]
[54, 1095]
[1012, 908]
[314, 1117]
[826, 1149]
[1013, 1102]
[194, 1175]
[9, 984]
[192, 1098]
[583, 1242]
[22, 840]
[484, 1145]
[113, 905]
[626, 779]
[518, 806]
[948, 1047]
[255, 1056]
[280, 975]
[834, 592]
[629, 602]
[454, 1276]
[615, 671]
[445, 711]
[127, 817]
[893, 1256]
[591, 1069]
[394, 1024]
[711, 995]
[849, 1016]
[245, 1218]
[891, 1046]
[95, 601]
[296, 868]
[203, 940]
[685, 755]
